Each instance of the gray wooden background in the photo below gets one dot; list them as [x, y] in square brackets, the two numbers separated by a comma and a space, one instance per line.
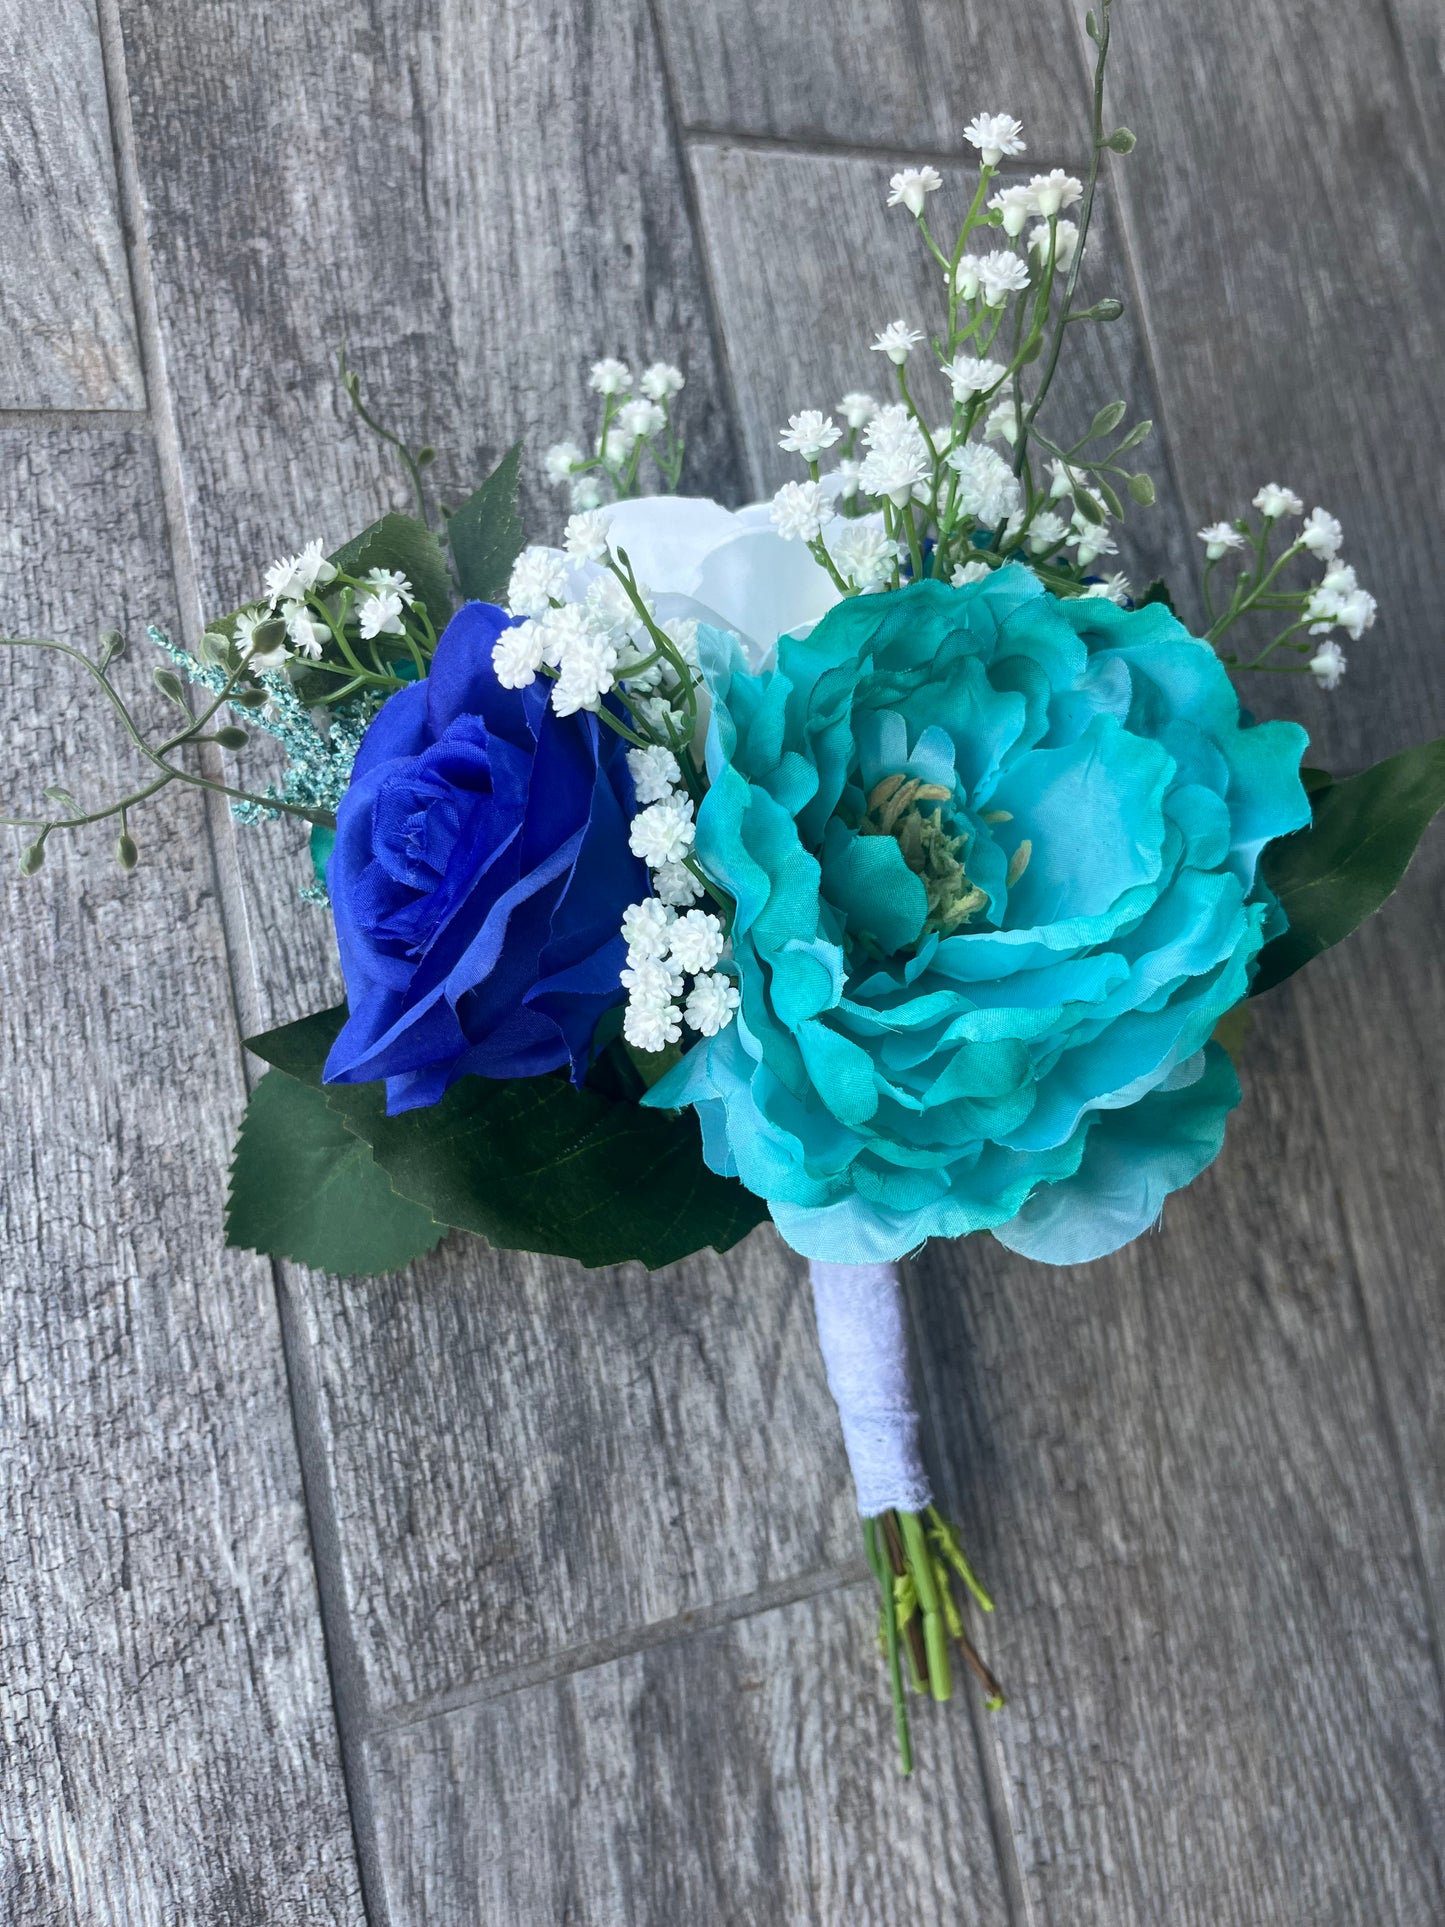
[503, 1593]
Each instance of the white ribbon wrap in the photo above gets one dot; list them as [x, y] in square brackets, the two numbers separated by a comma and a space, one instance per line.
[863, 1333]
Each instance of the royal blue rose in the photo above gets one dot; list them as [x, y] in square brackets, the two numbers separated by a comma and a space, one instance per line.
[995, 860]
[479, 877]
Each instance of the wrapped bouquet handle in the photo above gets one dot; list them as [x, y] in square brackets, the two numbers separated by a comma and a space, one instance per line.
[913, 1551]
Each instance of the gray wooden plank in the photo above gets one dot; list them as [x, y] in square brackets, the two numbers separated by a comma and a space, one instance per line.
[67, 330]
[167, 1748]
[1179, 1476]
[883, 74]
[1275, 380]
[479, 215]
[741, 1776]
[809, 263]
[528, 1458]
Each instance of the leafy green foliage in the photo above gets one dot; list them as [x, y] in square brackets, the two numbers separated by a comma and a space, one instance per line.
[486, 532]
[1158, 591]
[534, 1164]
[1336, 872]
[304, 1187]
[401, 542]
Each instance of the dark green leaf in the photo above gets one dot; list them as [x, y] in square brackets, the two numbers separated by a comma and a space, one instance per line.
[401, 542]
[486, 532]
[304, 1187]
[534, 1164]
[300, 1049]
[1158, 591]
[1336, 872]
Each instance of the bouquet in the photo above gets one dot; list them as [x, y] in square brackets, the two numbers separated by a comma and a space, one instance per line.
[879, 859]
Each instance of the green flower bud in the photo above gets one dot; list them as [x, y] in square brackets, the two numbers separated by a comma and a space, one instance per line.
[126, 853]
[231, 737]
[33, 857]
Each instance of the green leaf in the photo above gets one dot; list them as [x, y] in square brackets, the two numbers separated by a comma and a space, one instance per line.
[1337, 871]
[401, 542]
[1233, 1029]
[304, 1187]
[486, 532]
[533, 1164]
[1158, 591]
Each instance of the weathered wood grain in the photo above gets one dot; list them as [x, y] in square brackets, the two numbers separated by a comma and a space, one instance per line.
[528, 1457]
[741, 1776]
[167, 1751]
[67, 331]
[809, 263]
[1178, 1472]
[882, 74]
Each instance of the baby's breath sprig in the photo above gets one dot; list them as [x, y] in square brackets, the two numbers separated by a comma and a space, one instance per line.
[632, 425]
[415, 460]
[1308, 615]
[910, 498]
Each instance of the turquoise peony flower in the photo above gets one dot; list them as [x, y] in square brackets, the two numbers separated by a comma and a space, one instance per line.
[995, 858]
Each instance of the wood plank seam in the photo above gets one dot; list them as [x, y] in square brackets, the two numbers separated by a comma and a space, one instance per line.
[892, 154]
[220, 832]
[586, 1658]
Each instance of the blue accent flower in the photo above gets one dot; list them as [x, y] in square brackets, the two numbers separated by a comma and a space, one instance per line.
[479, 877]
[995, 863]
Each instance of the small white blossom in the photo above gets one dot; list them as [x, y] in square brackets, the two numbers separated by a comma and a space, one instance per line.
[1093, 541]
[560, 460]
[663, 832]
[609, 376]
[987, 488]
[1273, 501]
[966, 572]
[294, 577]
[1339, 579]
[1115, 589]
[996, 136]
[696, 941]
[799, 511]
[379, 614]
[661, 381]
[965, 276]
[681, 632]
[909, 187]
[659, 715]
[1065, 243]
[809, 433]
[655, 773]
[999, 276]
[390, 581]
[563, 630]
[617, 444]
[897, 341]
[585, 676]
[1338, 602]
[1002, 424]
[517, 654]
[967, 376]
[1015, 204]
[1357, 613]
[857, 408]
[1061, 480]
[711, 1006]
[585, 537]
[1327, 664]
[845, 479]
[676, 884]
[646, 928]
[1218, 538]
[611, 609]
[309, 636]
[1055, 191]
[641, 418]
[1321, 534]
[898, 469]
[864, 555]
[651, 1026]
[1046, 532]
[538, 579]
[586, 493]
[651, 980]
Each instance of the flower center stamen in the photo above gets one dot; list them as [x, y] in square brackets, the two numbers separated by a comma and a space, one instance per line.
[911, 812]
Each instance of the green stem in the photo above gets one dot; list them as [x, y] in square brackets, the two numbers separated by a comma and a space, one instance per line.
[935, 1633]
[890, 1643]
